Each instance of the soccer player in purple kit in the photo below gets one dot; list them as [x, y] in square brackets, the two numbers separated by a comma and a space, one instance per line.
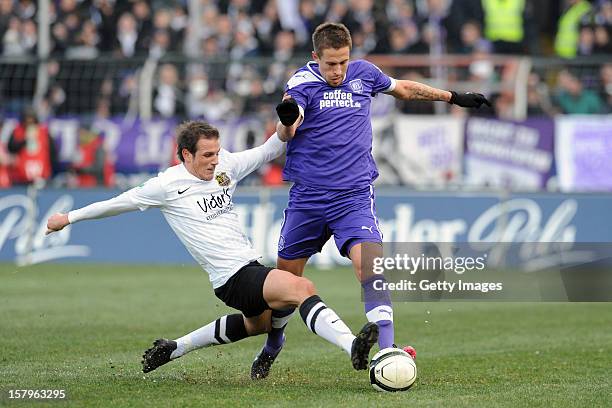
[325, 117]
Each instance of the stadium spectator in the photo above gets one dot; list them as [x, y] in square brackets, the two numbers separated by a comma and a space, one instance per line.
[70, 17]
[602, 46]
[25, 9]
[224, 34]
[160, 44]
[217, 106]
[459, 13]
[90, 166]
[55, 98]
[178, 24]
[161, 20]
[310, 15]
[11, 40]
[504, 25]
[603, 15]
[60, 39]
[85, 46]
[360, 14]
[568, 32]
[289, 17]
[363, 43]
[573, 98]
[338, 11]
[433, 22]
[244, 44]
[606, 86]
[144, 22]
[267, 25]
[124, 87]
[127, 38]
[105, 16]
[406, 40]
[6, 13]
[284, 46]
[35, 157]
[538, 97]
[586, 41]
[481, 71]
[29, 36]
[471, 39]
[208, 28]
[197, 91]
[168, 99]
[257, 100]
[399, 12]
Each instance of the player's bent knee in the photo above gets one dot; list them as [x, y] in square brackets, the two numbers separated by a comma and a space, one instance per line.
[305, 288]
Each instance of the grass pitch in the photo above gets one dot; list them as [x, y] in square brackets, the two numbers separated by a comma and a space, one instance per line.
[83, 328]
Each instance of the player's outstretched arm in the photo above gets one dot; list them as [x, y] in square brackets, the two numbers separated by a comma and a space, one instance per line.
[142, 197]
[416, 91]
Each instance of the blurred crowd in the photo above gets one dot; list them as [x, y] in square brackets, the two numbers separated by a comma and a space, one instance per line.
[223, 59]
[85, 29]
[226, 32]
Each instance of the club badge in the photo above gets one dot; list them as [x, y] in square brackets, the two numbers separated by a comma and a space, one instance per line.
[356, 86]
[223, 179]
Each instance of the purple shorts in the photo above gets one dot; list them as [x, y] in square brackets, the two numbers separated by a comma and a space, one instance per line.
[313, 215]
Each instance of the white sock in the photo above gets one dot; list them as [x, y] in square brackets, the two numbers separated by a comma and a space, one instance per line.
[226, 329]
[324, 322]
[202, 337]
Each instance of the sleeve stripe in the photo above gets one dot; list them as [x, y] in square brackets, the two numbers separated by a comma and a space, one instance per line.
[391, 86]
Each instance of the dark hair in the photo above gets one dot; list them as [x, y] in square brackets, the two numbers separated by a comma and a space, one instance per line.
[189, 133]
[331, 35]
[28, 112]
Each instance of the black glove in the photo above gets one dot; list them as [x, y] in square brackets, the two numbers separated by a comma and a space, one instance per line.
[288, 111]
[468, 99]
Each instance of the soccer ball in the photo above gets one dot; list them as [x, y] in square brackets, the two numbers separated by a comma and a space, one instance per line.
[392, 369]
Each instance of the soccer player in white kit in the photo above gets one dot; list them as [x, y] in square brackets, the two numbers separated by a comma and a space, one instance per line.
[195, 197]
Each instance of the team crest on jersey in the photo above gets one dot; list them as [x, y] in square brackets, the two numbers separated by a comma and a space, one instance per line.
[356, 86]
[223, 179]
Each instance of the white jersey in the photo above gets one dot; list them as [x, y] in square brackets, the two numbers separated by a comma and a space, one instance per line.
[201, 213]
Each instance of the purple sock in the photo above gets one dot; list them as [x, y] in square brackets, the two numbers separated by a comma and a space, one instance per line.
[386, 334]
[276, 337]
[378, 309]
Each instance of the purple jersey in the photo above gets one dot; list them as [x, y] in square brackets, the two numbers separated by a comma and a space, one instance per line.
[332, 148]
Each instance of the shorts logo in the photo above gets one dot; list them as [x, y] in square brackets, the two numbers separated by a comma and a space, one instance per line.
[363, 227]
[281, 243]
[223, 179]
[356, 86]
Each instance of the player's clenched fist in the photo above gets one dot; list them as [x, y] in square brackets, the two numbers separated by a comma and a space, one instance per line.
[288, 111]
[56, 222]
[468, 100]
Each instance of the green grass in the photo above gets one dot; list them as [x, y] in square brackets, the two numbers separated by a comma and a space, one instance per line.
[83, 328]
